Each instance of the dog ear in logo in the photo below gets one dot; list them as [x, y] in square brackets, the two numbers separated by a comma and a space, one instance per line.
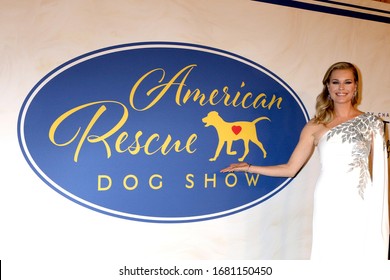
[228, 132]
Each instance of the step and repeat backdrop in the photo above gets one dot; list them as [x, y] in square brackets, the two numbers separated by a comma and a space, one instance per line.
[116, 118]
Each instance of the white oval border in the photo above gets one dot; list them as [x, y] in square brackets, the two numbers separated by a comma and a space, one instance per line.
[128, 47]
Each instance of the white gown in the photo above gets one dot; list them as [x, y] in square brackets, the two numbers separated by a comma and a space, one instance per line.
[350, 219]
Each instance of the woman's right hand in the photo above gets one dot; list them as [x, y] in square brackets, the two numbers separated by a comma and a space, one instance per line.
[239, 167]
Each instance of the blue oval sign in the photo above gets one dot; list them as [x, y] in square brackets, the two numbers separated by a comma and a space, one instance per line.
[140, 131]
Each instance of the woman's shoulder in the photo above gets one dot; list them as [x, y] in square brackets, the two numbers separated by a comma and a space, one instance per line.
[313, 124]
[373, 121]
[314, 129]
[371, 117]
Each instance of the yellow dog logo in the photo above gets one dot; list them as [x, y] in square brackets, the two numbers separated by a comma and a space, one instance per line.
[232, 131]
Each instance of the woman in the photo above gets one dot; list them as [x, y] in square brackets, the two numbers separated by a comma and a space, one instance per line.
[350, 219]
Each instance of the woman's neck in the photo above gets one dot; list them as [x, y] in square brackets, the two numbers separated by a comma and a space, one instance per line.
[345, 111]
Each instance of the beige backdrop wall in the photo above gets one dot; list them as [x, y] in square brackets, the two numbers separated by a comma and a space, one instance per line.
[298, 45]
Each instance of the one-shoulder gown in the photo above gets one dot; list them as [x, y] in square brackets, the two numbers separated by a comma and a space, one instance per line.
[350, 219]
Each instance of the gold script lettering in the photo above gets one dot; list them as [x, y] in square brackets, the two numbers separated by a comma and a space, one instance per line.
[84, 136]
[184, 94]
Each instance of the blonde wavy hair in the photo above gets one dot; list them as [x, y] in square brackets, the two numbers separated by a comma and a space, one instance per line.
[324, 104]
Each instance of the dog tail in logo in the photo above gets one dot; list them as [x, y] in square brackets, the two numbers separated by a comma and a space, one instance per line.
[228, 132]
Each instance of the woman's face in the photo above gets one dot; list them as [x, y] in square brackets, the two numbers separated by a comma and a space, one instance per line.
[342, 86]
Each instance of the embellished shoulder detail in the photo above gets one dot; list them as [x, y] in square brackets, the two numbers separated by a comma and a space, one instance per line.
[359, 132]
[377, 125]
[347, 128]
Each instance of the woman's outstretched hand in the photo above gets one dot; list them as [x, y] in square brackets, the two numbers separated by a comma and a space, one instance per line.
[241, 166]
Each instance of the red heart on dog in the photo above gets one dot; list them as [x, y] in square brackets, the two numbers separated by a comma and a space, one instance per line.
[236, 129]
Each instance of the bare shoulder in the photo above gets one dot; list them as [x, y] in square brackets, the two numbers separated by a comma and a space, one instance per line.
[312, 127]
[313, 131]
